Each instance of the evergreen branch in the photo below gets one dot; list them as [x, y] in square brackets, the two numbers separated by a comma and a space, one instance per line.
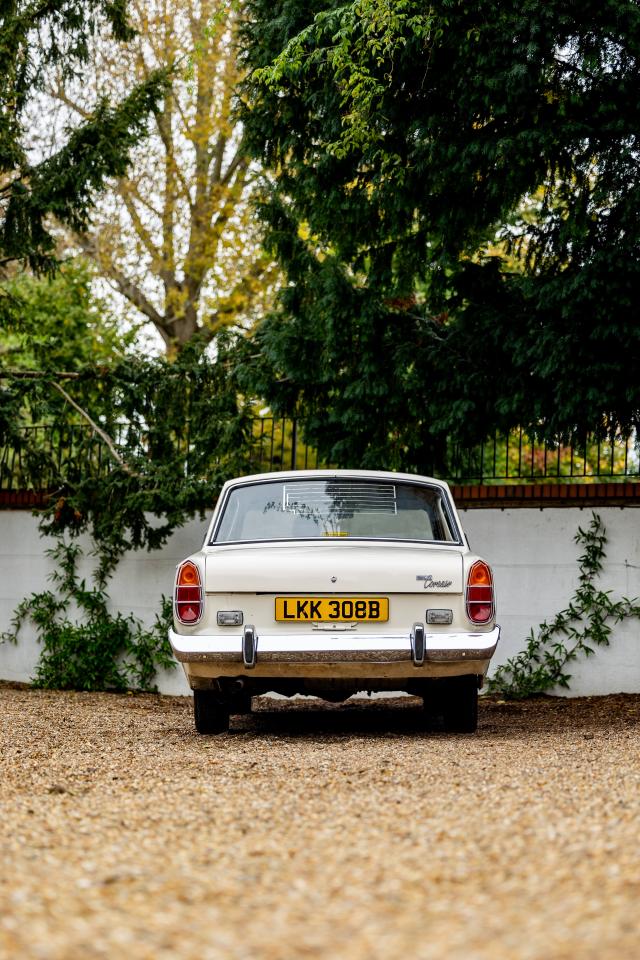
[65, 184]
[8, 187]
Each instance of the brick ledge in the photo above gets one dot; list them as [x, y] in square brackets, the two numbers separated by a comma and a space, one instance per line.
[481, 496]
[466, 496]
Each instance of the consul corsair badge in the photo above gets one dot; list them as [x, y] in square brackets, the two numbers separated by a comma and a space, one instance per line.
[437, 584]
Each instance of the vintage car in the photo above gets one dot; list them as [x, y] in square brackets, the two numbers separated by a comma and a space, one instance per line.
[331, 582]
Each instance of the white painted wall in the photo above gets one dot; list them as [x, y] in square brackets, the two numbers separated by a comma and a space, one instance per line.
[137, 586]
[532, 552]
[535, 561]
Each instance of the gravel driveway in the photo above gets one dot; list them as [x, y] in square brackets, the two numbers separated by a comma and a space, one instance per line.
[332, 832]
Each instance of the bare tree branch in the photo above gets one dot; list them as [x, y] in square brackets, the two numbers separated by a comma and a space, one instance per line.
[127, 288]
[141, 230]
[218, 157]
[62, 95]
[133, 190]
[96, 429]
[239, 162]
[37, 375]
[134, 295]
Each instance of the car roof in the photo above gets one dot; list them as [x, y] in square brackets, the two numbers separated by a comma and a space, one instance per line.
[324, 474]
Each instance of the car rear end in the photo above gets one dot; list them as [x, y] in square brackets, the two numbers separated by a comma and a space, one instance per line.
[334, 614]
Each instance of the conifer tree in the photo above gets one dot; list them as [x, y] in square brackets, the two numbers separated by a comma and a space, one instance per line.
[455, 202]
[33, 38]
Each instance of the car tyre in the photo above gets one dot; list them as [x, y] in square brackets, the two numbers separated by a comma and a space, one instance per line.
[460, 704]
[210, 712]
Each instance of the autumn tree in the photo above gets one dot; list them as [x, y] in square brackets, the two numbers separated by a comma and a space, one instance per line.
[176, 235]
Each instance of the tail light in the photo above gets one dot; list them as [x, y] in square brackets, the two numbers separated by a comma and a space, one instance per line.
[188, 596]
[480, 596]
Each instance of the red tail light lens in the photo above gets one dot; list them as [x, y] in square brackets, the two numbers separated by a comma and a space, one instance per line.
[480, 597]
[188, 595]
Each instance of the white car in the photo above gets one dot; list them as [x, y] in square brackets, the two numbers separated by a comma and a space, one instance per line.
[330, 582]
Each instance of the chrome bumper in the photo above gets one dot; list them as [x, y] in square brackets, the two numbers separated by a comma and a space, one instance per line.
[225, 651]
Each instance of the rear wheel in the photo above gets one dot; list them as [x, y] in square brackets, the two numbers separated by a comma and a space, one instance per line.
[210, 712]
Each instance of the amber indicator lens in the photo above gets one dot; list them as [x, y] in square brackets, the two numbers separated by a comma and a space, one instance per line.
[188, 575]
[480, 574]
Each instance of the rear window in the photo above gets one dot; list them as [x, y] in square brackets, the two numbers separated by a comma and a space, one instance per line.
[336, 508]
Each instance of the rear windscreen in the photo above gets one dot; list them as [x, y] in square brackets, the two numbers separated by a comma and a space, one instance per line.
[340, 508]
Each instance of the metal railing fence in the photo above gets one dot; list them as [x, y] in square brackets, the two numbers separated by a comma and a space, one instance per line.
[510, 457]
[277, 443]
[46, 453]
[515, 457]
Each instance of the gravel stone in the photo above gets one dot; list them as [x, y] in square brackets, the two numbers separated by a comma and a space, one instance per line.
[317, 831]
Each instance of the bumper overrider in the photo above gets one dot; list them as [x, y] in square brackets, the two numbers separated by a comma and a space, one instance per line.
[321, 653]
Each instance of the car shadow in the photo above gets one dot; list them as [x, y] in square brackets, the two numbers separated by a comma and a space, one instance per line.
[587, 717]
[312, 717]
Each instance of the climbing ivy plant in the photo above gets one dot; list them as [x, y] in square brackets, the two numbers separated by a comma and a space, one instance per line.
[101, 650]
[575, 632]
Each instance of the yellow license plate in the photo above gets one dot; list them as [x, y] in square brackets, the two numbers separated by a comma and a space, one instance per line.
[326, 609]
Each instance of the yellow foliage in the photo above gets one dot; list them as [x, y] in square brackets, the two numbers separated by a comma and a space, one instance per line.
[177, 237]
